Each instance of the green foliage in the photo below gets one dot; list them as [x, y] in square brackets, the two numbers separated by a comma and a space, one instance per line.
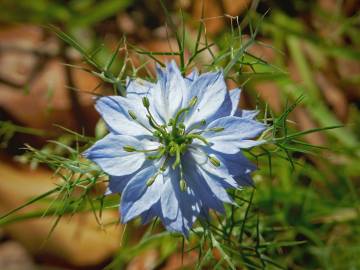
[301, 200]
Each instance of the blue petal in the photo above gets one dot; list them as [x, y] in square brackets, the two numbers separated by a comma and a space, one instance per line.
[153, 211]
[195, 179]
[238, 166]
[115, 112]
[109, 154]
[250, 114]
[168, 95]
[118, 183]
[179, 208]
[190, 78]
[137, 196]
[235, 99]
[200, 157]
[138, 87]
[215, 186]
[236, 134]
[210, 90]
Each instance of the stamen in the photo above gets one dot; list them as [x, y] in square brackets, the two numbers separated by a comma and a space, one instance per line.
[198, 125]
[178, 158]
[181, 112]
[159, 155]
[132, 115]
[183, 148]
[193, 101]
[151, 180]
[217, 129]
[129, 148]
[214, 161]
[146, 102]
[182, 185]
[182, 182]
[199, 137]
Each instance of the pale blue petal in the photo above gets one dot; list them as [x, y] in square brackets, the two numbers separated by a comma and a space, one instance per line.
[109, 154]
[250, 114]
[190, 78]
[195, 179]
[200, 156]
[138, 87]
[236, 134]
[237, 166]
[137, 196]
[210, 90]
[235, 99]
[179, 208]
[115, 112]
[229, 107]
[169, 201]
[170, 90]
[153, 211]
[215, 185]
[118, 183]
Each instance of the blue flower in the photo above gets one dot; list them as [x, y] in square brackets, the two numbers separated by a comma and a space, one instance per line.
[174, 146]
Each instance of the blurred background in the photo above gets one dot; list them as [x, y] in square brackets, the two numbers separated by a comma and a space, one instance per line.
[312, 48]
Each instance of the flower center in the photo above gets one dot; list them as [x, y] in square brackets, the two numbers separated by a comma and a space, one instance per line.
[173, 136]
[174, 139]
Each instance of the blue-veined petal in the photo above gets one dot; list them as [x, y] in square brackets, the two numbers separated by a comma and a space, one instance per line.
[195, 179]
[214, 183]
[236, 134]
[179, 208]
[138, 87]
[137, 196]
[168, 95]
[189, 79]
[234, 169]
[235, 99]
[115, 112]
[109, 154]
[118, 183]
[210, 90]
[250, 114]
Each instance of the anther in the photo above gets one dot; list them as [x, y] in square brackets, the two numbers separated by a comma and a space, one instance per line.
[193, 101]
[151, 180]
[171, 122]
[145, 102]
[214, 161]
[132, 115]
[217, 129]
[182, 185]
[129, 148]
[183, 148]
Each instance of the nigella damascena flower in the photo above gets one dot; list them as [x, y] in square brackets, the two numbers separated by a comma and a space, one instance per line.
[174, 146]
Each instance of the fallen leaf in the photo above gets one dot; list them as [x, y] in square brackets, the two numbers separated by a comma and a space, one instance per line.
[78, 240]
